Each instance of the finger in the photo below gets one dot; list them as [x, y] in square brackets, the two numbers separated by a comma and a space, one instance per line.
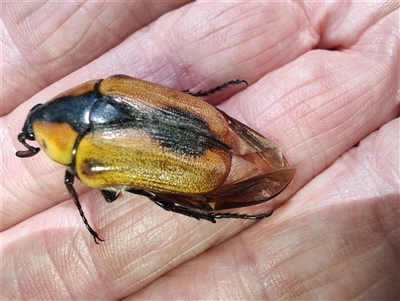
[339, 24]
[45, 42]
[208, 235]
[155, 270]
[325, 102]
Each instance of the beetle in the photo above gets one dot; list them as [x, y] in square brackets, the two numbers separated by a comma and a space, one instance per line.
[126, 134]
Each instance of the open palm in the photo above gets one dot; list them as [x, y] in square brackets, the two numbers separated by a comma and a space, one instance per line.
[324, 85]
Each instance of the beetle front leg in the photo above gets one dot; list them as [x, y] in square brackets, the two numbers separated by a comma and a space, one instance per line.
[69, 181]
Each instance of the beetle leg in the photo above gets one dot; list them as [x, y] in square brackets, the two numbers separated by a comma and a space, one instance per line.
[109, 195]
[178, 204]
[170, 206]
[183, 205]
[242, 216]
[69, 181]
[217, 88]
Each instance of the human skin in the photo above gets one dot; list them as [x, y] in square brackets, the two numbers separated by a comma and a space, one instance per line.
[323, 84]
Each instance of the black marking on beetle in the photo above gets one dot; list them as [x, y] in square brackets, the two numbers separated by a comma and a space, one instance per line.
[175, 129]
[73, 110]
[184, 132]
[69, 109]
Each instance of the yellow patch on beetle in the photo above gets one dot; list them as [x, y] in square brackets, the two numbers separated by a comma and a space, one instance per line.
[56, 139]
[131, 157]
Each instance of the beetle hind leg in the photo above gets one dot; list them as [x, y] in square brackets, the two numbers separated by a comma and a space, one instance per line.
[170, 206]
[179, 204]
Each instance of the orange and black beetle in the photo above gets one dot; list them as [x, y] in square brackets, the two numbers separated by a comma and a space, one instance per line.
[125, 134]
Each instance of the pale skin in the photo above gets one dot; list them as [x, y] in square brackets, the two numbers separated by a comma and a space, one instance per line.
[323, 84]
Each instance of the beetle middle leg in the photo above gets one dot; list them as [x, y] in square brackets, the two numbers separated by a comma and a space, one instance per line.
[217, 88]
[69, 181]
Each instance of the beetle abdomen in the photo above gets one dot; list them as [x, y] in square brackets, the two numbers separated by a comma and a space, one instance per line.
[132, 157]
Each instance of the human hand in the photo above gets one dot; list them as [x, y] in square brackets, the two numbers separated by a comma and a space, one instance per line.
[333, 112]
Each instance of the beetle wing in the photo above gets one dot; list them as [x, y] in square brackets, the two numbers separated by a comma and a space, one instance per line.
[194, 202]
[251, 144]
[263, 153]
[252, 191]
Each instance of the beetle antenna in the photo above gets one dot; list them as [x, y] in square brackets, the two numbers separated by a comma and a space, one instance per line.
[26, 153]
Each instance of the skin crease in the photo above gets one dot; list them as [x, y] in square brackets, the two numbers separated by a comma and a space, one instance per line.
[323, 84]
